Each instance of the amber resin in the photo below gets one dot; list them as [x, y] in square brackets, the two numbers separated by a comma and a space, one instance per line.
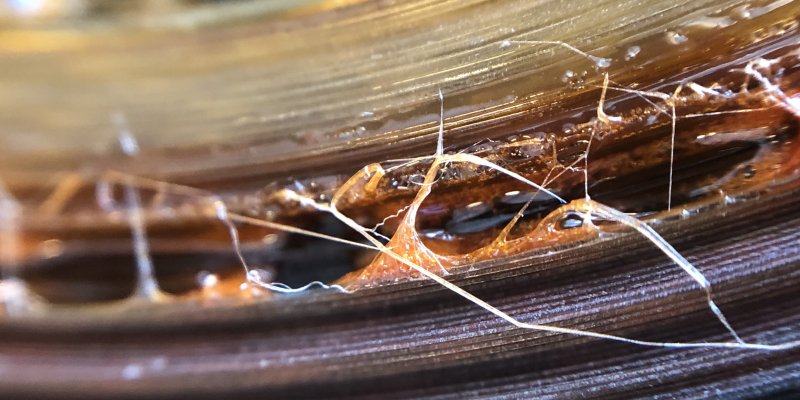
[729, 142]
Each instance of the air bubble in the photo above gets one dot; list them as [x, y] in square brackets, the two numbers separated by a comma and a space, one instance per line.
[51, 248]
[132, 372]
[158, 363]
[270, 239]
[676, 38]
[712, 22]
[206, 279]
[571, 221]
[259, 275]
[568, 76]
[129, 144]
[574, 79]
[416, 179]
[749, 171]
[602, 63]
[505, 44]
[632, 52]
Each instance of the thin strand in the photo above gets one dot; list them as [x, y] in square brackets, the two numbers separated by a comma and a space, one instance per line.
[227, 218]
[221, 213]
[64, 191]
[601, 113]
[10, 211]
[283, 288]
[146, 285]
[375, 228]
[600, 62]
[671, 155]
[440, 138]
[713, 113]
[788, 103]
[299, 231]
[15, 297]
[586, 166]
[603, 211]
[651, 235]
[547, 328]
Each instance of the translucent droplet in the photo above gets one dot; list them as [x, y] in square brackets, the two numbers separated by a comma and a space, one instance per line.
[568, 76]
[158, 363]
[129, 144]
[416, 179]
[270, 239]
[571, 221]
[573, 79]
[748, 171]
[206, 279]
[676, 38]
[711, 22]
[260, 275]
[26, 7]
[254, 275]
[602, 63]
[505, 44]
[729, 199]
[632, 52]
[131, 372]
[51, 248]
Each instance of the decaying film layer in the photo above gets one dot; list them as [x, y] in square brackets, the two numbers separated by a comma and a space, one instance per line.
[261, 123]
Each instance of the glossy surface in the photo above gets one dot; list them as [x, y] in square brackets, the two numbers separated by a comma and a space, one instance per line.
[263, 103]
